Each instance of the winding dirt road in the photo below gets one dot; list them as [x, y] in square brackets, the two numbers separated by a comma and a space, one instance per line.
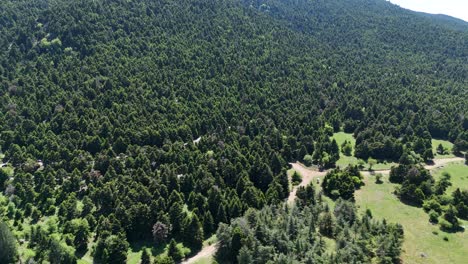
[206, 252]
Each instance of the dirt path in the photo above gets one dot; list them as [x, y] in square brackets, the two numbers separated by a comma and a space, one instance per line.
[442, 162]
[307, 176]
[438, 163]
[206, 252]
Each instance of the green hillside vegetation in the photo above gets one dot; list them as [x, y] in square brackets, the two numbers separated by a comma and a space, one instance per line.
[424, 242]
[270, 235]
[141, 123]
[348, 139]
[459, 175]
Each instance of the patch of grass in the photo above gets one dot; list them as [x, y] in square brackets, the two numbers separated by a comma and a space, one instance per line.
[446, 144]
[205, 260]
[344, 160]
[340, 137]
[210, 241]
[419, 236]
[459, 175]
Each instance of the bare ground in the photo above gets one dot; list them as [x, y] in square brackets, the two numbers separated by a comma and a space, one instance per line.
[307, 176]
[206, 252]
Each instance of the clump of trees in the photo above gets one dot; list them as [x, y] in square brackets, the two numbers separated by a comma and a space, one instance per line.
[342, 182]
[419, 188]
[270, 234]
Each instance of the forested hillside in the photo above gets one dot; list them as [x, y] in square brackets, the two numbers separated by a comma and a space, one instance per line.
[138, 120]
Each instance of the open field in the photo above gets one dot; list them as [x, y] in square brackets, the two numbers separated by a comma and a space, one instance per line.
[421, 237]
[459, 175]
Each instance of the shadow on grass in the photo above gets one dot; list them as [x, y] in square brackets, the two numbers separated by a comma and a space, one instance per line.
[410, 203]
[156, 249]
[458, 229]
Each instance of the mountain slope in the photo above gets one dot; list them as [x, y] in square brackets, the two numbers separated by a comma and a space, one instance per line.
[110, 95]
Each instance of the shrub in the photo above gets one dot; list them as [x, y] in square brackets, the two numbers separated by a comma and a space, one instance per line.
[433, 217]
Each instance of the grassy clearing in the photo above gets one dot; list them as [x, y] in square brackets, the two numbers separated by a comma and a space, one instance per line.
[344, 161]
[459, 175]
[446, 144]
[420, 235]
[340, 138]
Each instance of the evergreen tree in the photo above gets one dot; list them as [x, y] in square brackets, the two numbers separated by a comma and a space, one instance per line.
[193, 233]
[145, 257]
[8, 249]
[174, 252]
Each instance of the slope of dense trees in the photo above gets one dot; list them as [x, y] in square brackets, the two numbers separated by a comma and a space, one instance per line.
[103, 101]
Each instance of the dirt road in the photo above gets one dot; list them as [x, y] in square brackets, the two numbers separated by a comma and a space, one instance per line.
[437, 164]
[206, 252]
[307, 176]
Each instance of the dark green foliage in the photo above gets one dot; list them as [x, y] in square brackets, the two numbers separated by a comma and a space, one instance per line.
[416, 183]
[295, 234]
[145, 257]
[342, 183]
[60, 253]
[8, 249]
[346, 148]
[193, 233]
[143, 111]
[296, 178]
[112, 249]
[174, 252]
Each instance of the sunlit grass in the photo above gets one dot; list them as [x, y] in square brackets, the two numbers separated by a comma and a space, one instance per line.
[421, 237]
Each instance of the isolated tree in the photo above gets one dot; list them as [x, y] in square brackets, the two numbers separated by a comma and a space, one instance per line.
[440, 149]
[8, 249]
[371, 162]
[378, 178]
[296, 178]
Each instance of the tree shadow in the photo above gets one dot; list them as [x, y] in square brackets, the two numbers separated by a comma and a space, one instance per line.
[156, 249]
[430, 162]
[410, 203]
[458, 229]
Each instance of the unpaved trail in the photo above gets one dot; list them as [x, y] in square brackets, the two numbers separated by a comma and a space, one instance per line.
[307, 176]
[438, 163]
[442, 162]
[206, 252]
